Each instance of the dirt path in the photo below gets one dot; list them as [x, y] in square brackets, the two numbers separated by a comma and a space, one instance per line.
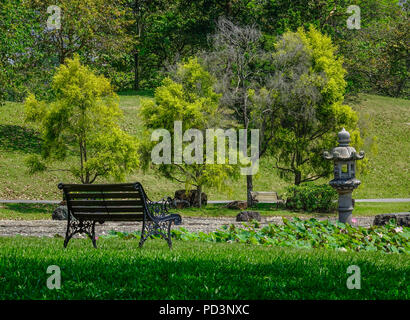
[49, 228]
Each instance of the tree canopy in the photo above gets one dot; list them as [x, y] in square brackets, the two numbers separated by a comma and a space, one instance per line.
[187, 96]
[82, 122]
[308, 85]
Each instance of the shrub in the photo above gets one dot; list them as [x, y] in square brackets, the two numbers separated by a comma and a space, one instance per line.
[311, 197]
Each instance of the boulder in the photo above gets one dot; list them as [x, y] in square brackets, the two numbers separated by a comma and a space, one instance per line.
[60, 213]
[181, 204]
[402, 219]
[183, 197]
[194, 198]
[237, 205]
[248, 216]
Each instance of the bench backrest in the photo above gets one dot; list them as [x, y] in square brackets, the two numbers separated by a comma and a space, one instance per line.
[126, 201]
[263, 196]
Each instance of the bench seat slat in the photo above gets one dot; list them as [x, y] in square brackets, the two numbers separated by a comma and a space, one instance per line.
[265, 196]
[110, 217]
[108, 203]
[108, 195]
[103, 209]
[100, 187]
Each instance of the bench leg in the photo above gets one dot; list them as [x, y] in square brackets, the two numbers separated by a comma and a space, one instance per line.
[92, 235]
[168, 238]
[143, 237]
[151, 228]
[74, 226]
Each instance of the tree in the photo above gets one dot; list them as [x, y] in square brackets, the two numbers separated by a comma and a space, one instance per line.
[82, 121]
[187, 95]
[309, 86]
[17, 57]
[237, 61]
[94, 29]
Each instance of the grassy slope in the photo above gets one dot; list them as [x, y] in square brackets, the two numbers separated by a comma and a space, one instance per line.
[389, 175]
[390, 116]
[193, 270]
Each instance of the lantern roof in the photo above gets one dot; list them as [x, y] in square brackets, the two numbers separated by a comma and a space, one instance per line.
[343, 152]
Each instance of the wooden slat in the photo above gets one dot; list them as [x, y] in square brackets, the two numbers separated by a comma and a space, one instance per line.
[100, 187]
[108, 195]
[107, 209]
[265, 196]
[108, 203]
[110, 217]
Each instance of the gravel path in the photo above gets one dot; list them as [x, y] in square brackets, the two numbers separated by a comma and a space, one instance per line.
[49, 228]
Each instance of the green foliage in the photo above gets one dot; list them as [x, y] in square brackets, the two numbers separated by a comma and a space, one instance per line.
[306, 234]
[82, 120]
[311, 197]
[188, 97]
[18, 53]
[309, 87]
[376, 55]
[131, 41]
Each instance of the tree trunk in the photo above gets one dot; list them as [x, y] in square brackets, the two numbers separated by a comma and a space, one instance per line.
[199, 196]
[298, 177]
[136, 72]
[249, 188]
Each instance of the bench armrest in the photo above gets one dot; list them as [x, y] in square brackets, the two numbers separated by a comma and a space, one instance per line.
[158, 210]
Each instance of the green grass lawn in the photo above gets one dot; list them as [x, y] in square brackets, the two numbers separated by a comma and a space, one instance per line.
[388, 176]
[193, 270]
[11, 211]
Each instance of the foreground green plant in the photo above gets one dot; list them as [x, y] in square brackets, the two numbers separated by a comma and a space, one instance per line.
[305, 234]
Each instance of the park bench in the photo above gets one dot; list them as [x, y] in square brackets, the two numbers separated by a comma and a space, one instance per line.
[88, 204]
[266, 197]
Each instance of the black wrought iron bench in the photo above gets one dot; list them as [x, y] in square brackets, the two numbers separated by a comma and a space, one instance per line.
[88, 204]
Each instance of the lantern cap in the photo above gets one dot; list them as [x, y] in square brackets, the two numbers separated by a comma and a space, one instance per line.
[343, 138]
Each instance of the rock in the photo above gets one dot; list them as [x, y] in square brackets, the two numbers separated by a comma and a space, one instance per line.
[60, 213]
[237, 205]
[248, 216]
[182, 195]
[194, 198]
[190, 197]
[181, 204]
[402, 219]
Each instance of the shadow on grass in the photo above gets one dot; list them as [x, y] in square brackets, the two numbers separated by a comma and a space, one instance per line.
[18, 138]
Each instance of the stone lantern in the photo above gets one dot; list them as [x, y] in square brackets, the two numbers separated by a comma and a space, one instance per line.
[344, 157]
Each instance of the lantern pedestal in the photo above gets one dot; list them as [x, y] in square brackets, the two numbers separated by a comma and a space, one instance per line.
[344, 189]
